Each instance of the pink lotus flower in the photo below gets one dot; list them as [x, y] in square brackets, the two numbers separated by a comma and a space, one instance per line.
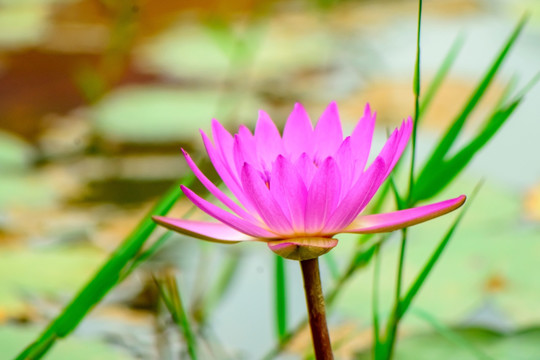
[296, 191]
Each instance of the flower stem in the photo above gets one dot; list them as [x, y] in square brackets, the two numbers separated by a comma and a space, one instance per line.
[316, 310]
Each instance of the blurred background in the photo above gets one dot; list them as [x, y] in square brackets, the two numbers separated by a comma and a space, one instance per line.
[98, 96]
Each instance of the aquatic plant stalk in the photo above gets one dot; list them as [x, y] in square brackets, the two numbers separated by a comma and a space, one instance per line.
[295, 191]
[316, 309]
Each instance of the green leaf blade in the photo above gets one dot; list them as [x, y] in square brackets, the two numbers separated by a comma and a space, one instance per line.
[448, 139]
[448, 170]
[103, 281]
[281, 298]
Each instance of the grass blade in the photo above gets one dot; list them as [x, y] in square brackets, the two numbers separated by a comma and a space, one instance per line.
[416, 91]
[172, 298]
[146, 254]
[449, 169]
[452, 133]
[441, 74]
[528, 86]
[103, 280]
[400, 202]
[281, 298]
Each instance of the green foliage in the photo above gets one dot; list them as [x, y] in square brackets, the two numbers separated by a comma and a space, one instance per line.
[447, 170]
[103, 281]
[281, 298]
[15, 153]
[171, 296]
[429, 182]
[439, 77]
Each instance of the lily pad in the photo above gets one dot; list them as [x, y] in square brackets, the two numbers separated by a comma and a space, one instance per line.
[15, 153]
[27, 273]
[185, 51]
[15, 338]
[481, 344]
[144, 114]
[190, 51]
[25, 190]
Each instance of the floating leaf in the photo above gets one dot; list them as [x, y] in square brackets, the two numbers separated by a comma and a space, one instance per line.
[191, 51]
[15, 153]
[522, 345]
[23, 190]
[34, 273]
[161, 114]
[14, 338]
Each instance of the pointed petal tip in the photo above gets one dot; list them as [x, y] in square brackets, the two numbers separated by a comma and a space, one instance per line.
[369, 115]
[367, 109]
[164, 221]
[184, 188]
[369, 112]
[157, 219]
[396, 220]
[263, 116]
[408, 122]
[215, 125]
[298, 107]
[332, 108]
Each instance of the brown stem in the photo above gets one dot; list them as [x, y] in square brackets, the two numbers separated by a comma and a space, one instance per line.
[316, 311]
